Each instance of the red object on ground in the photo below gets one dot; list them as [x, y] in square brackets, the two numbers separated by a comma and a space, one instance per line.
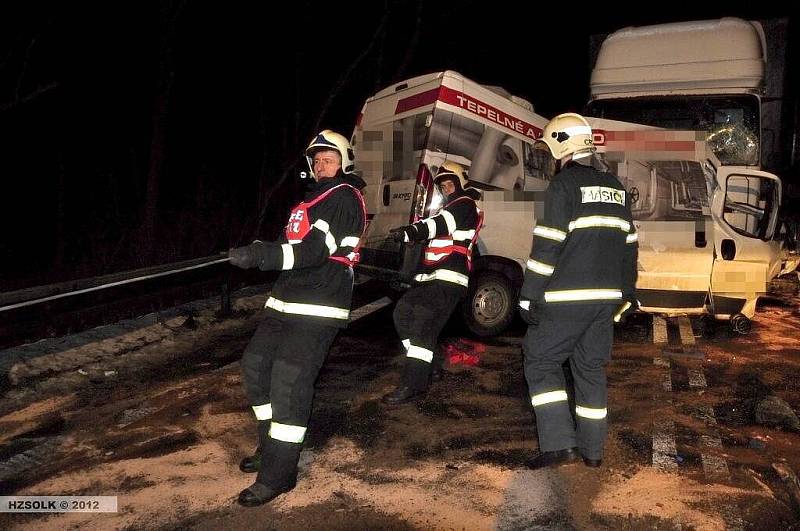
[464, 352]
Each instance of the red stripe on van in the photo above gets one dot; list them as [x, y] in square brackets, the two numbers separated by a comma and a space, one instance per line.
[417, 100]
[473, 105]
[493, 114]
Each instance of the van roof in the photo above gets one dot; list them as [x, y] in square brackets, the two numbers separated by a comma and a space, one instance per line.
[703, 54]
[451, 75]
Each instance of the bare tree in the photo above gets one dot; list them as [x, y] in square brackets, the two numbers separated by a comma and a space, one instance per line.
[169, 13]
[412, 44]
[19, 96]
[332, 94]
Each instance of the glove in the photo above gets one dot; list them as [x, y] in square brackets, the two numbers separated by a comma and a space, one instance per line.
[407, 233]
[527, 310]
[629, 306]
[244, 257]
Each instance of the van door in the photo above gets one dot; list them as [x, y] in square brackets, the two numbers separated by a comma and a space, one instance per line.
[671, 212]
[389, 157]
[745, 211]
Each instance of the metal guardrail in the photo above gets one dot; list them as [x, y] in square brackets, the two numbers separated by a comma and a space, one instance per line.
[38, 294]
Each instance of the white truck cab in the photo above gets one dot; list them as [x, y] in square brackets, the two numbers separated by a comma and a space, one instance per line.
[705, 229]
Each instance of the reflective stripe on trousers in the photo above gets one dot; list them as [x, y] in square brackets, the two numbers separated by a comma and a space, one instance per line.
[315, 310]
[413, 351]
[548, 398]
[287, 432]
[263, 412]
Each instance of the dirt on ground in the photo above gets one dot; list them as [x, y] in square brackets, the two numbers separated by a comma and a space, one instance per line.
[157, 417]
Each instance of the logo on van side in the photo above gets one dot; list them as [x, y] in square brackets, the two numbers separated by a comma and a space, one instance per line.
[405, 196]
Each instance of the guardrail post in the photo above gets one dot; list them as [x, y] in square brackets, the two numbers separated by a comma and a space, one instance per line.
[225, 295]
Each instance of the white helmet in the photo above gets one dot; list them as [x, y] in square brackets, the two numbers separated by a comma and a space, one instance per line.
[454, 172]
[566, 134]
[330, 140]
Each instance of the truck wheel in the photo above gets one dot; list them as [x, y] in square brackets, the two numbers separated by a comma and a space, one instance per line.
[490, 305]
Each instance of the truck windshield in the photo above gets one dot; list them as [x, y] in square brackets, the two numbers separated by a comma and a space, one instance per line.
[732, 122]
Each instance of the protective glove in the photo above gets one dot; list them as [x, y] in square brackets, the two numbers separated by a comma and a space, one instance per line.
[407, 233]
[629, 306]
[527, 310]
[244, 257]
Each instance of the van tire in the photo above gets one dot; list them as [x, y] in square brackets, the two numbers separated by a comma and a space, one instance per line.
[489, 307]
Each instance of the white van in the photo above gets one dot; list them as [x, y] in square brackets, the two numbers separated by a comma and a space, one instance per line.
[405, 132]
[705, 229]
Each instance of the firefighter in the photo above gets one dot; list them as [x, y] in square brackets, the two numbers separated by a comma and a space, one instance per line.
[309, 303]
[580, 278]
[441, 282]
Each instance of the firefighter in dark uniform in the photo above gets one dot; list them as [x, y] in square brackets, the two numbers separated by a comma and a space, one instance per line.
[441, 281]
[580, 278]
[309, 303]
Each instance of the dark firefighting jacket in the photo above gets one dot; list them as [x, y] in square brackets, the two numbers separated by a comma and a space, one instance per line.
[452, 234]
[317, 254]
[585, 246]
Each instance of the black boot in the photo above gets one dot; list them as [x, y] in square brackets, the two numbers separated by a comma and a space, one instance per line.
[414, 382]
[554, 458]
[279, 477]
[252, 463]
[259, 494]
[401, 395]
[592, 463]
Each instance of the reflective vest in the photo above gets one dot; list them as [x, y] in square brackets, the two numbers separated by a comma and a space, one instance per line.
[298, 227]
[460, 242]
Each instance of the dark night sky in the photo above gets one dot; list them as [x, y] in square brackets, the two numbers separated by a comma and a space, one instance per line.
[232, 92]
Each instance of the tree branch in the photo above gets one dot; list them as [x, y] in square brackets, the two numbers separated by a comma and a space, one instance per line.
[28, 97]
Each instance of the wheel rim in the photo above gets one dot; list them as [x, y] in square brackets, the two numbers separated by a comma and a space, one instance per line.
[490, 304]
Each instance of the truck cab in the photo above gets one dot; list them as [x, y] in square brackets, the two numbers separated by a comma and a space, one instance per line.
[706, 229]
[728, 77]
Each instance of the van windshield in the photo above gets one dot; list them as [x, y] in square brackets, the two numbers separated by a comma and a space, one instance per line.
[732, 122]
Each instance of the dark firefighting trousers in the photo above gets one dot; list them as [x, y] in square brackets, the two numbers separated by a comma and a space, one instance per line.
[582, 334]
[279, 368]
[419, 317]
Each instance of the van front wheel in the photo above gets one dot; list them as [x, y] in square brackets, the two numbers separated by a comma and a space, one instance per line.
[490, 304]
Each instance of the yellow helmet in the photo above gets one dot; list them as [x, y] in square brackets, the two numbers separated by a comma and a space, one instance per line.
[453, 171]
[330, 140]
[566, 134]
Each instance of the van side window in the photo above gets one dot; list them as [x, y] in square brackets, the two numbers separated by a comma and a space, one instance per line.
[402, 163]
[748, 201]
